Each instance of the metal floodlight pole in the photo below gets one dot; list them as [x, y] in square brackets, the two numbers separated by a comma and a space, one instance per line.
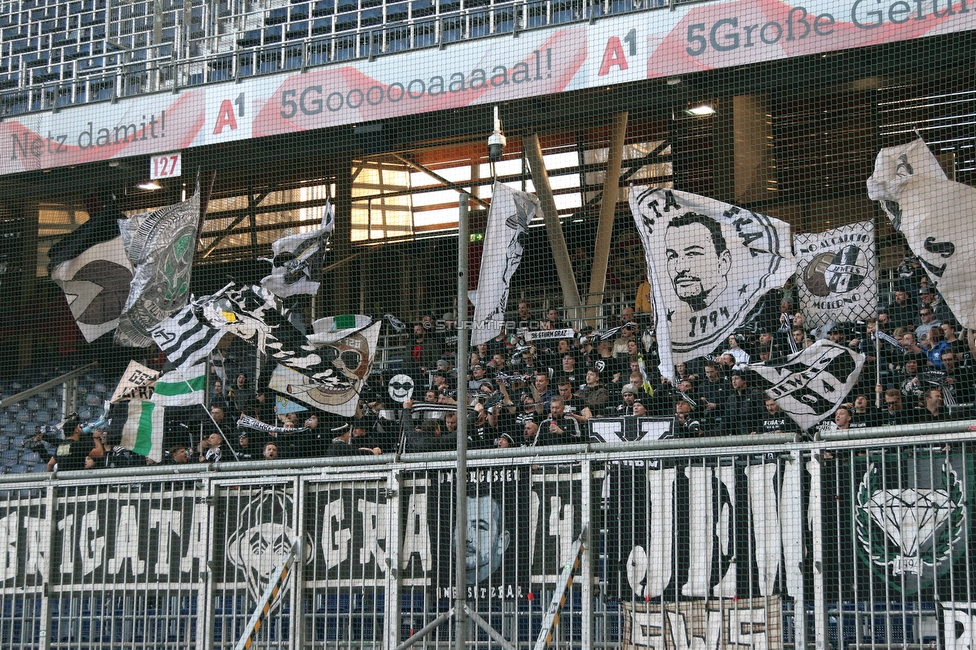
[461, 496]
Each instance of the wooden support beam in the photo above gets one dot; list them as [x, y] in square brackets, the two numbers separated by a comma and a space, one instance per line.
[560, 254]
[608, 208]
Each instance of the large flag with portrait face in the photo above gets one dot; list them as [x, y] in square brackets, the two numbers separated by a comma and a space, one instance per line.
[160, 245]
[709, 263]
[297, 262]
[508, 225]
[810, 384]
[837, 273]
[935, 216]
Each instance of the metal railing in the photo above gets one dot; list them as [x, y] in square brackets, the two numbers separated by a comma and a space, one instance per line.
[846, 542]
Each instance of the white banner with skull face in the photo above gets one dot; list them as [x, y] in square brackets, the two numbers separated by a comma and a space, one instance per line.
[837, 273]
[934, 215]
[353, 360]
[708, 263]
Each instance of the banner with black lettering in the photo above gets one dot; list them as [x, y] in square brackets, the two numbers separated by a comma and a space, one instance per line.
[716, 623]
[709, 263]
[934, 214]
[810, 384]
[837, 272]
[508, 226]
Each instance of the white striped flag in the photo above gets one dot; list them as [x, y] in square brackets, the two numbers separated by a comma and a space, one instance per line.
[185, 339]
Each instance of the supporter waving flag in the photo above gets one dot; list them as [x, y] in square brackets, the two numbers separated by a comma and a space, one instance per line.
[709, 264]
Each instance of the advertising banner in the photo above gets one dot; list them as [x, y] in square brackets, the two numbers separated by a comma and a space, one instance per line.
[619, 49]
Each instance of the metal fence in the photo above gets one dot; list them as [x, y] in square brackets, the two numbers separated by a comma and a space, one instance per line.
[847, 542]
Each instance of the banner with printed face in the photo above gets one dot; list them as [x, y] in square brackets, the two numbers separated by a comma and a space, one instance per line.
[837, 272]
[934, 214]
[709, 263]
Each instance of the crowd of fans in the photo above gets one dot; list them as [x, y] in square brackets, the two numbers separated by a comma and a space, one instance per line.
[543, 393]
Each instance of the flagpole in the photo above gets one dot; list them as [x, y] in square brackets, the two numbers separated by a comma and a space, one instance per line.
[877, 364]
[461, 495]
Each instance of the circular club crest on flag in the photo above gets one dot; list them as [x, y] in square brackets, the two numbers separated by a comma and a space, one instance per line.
[838, 272]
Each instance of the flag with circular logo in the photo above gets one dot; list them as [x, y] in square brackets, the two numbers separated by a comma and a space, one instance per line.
[837, 274]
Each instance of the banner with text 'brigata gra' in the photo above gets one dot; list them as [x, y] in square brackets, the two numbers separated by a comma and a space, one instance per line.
[645, 45]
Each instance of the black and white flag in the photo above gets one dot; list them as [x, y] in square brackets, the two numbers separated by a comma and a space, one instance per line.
[508, 225]
[709, 263]
[297, 263]
[935, 216]
[91, 267]
[185, 339]
[837, 270]
[160, 246]
[96, 286]
[338, 391]
[810, 384]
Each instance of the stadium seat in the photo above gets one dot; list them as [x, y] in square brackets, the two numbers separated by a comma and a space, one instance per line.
[9, 457]
[40, 468]
[31, 457]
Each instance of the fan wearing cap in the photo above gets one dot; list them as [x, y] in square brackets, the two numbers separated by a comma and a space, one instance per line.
[342, 444]
[628, 396]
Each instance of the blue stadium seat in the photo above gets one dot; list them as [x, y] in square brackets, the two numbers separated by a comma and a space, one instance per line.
[43, 416]
[31, 457]
[40, 468]
[24, 416]
[9, 457]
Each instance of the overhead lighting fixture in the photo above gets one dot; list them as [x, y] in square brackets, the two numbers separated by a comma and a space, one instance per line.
[149, 186]
[703, 110]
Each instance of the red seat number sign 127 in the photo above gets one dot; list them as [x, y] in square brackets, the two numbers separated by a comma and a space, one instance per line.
[167, 165]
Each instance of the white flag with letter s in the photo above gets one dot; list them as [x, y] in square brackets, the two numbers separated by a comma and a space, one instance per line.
[709, 263]
[508, 224]
[935, 216]
[837, 274]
